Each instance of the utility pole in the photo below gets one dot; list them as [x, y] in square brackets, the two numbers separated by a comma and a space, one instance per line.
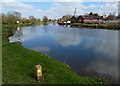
[74, 11]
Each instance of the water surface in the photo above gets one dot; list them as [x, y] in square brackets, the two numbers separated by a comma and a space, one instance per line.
[89, 52]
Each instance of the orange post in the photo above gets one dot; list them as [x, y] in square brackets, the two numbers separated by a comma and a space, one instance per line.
[38, 70]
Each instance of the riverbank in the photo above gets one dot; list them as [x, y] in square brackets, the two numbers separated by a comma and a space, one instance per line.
[113, 26]
[19, 65]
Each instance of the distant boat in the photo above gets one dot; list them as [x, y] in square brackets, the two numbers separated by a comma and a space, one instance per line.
[64, 23]
[68, 22]
[61, 23]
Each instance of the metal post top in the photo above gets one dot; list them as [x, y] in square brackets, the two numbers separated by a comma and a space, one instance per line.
[38, 65]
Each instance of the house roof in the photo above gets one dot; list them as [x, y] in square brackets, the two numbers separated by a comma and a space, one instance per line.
[87, 17]
[92, 17]
[79, 17]
[73, 17]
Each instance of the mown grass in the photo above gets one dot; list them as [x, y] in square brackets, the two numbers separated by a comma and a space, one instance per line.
[18, 66]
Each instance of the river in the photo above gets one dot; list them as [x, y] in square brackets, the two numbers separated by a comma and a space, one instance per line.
[89, 52]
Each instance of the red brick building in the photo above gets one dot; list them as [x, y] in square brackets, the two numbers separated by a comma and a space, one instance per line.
[87, 19]
[93, 19]
[61, 19]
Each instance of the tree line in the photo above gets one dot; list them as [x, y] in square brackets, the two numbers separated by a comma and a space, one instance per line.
[13, 17]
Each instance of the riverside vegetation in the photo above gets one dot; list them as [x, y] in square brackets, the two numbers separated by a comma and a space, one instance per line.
[112, 26]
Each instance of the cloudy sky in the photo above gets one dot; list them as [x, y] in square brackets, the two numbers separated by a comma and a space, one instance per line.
[57, 8]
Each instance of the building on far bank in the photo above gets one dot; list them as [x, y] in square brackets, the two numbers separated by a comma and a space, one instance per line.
[87, 19]
[80, 19]
[73, 19]
[93, 19]
[61, 19]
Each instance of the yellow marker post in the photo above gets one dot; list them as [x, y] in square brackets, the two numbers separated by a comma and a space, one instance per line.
[38, 71]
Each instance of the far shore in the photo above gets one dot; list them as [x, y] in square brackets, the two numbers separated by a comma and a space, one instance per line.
[112, 26]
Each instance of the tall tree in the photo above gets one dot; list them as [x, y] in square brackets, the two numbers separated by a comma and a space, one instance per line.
[45, 20]
[32, 19]
[91, 13]
[11, 18]
[95, 14]
[4, 18]
[67, 17]
[38, 20]
[17, 15]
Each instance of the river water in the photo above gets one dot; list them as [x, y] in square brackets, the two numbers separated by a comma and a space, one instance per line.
[89, 52]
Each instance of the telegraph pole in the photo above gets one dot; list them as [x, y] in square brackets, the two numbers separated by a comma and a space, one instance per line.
[74, 11]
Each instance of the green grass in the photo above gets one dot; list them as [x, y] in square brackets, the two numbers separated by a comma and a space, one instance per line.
[18, 67]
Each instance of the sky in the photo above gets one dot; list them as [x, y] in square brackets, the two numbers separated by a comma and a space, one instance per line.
[54, 9]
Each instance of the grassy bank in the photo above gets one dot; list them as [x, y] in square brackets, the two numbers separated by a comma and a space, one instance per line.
[114, 26]
[19, 65]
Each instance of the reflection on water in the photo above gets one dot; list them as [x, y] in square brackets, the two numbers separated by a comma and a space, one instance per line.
[89, 52]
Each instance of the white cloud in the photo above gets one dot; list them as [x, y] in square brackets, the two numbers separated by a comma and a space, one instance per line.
[109, 7]
[66, 37]
[15, 5]
[60, 8]
[68, 0]
[25, 34]
[108, 47]
[87, 0]
[69, 7]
